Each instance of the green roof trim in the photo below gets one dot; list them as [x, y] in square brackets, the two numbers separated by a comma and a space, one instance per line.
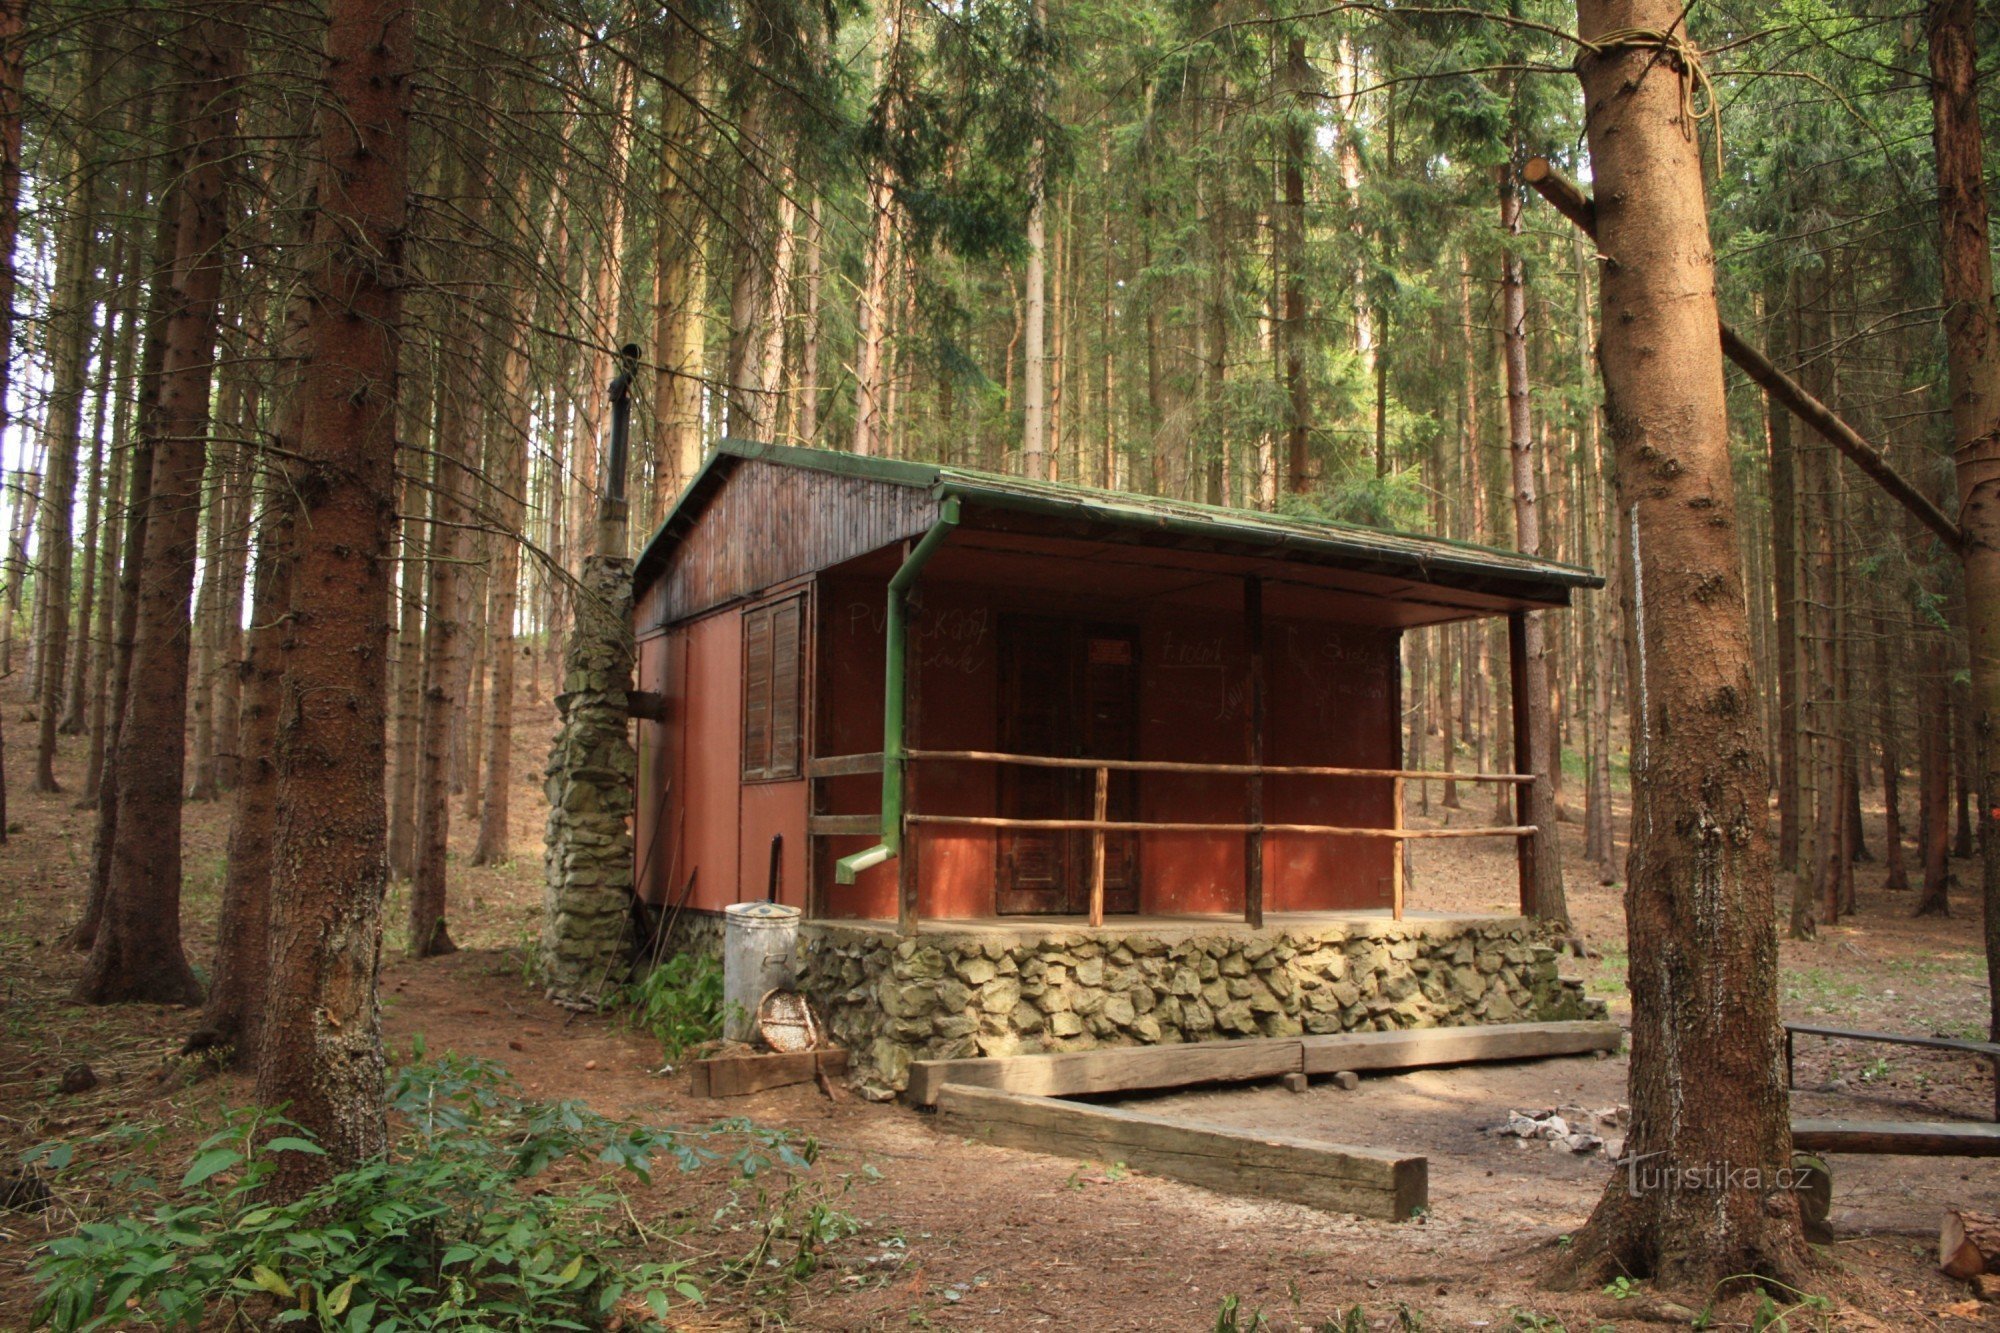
[1310, 538]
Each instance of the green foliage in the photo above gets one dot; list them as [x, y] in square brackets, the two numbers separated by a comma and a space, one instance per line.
[1229, 1317]
[679, 1003]
[444, 1232]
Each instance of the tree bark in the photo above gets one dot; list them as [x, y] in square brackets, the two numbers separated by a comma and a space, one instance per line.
[510, 484]
[680, 275]
[1706, 1091]
[322, 1045]
[443, 650]
[1538, 799]
[1972, 345]
[137, 951]
[1298, 81]
[70, 341]
[1934, 778]
[872, 308]
[233, 1017]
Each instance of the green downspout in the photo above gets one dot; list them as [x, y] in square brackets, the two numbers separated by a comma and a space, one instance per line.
[895, 759]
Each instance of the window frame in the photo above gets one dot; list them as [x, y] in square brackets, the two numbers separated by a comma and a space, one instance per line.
[764, 618]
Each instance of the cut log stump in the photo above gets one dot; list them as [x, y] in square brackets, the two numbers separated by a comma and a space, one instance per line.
[1969, 1243]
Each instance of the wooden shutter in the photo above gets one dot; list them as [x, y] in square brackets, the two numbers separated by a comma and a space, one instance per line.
[785, 672]
[756, 692]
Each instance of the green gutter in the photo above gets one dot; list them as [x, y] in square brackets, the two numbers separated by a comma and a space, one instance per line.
[895, 757]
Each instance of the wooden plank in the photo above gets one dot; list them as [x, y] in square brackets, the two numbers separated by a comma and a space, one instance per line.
[1916, 1138]
[843, 826]
[1142, 826]
[1895, 1038]
[1368, 1182]
[1244, 770]
[843, 765]
[1113, 1069]
[740, 1075]
[1419, 1048]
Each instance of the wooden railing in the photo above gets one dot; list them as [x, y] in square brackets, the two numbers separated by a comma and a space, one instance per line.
[1100, 825]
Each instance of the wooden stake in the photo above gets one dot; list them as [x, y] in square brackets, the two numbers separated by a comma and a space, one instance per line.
[1101, 805]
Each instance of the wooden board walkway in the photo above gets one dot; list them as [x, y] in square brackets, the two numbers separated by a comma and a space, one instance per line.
[1368, 1182]
[1187, 1064]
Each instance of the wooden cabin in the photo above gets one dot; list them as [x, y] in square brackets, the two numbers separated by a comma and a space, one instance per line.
[1073, 705]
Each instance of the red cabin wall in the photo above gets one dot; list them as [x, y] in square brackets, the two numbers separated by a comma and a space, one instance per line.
[718, 827]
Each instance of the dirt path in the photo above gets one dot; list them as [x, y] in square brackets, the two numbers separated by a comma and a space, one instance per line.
[950, 1234]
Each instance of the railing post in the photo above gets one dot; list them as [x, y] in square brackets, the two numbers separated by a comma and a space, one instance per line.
[1253, 841]
[1396, 849]
[1101, 806]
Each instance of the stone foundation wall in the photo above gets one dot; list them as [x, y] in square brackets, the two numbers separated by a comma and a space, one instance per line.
[695, 932]
[952, 994]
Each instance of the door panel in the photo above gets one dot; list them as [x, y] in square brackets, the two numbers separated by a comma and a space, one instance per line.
[1067, 689]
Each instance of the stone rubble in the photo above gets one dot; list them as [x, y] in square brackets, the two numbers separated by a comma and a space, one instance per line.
[1561, 1128]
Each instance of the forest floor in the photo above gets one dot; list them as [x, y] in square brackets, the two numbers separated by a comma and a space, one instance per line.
[937, 1232]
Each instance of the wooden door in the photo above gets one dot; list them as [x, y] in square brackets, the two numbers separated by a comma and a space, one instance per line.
[1068, 689]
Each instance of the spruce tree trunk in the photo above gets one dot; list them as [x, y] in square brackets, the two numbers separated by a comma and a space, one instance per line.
[1538, 798]
[70, 342]
[1934, 779]
[1897, 876]
[1291, 239]
[1785, 580]
[513, 440]
[322, 1045]
[680, 276]
[1706, 1091]
[408, 689]
[1972, 344]
[233, 1016]
[443, 651]
[137, 951]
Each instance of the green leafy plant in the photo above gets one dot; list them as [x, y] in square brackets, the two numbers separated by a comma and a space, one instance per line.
[1621, 1288]
[445, 1232]
[679, 1003]
[1229, 1317]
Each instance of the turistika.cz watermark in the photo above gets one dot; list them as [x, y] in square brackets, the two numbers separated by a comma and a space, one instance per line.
[1705, 1177]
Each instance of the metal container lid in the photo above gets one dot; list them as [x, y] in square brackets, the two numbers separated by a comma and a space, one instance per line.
[761, 911]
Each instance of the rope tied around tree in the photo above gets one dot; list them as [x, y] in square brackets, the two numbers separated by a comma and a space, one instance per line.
[1698, 100]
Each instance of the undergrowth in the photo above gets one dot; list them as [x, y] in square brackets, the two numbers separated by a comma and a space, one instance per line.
[490, 1212]
[679, 1003]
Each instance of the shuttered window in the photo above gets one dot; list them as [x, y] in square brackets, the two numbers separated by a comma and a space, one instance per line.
[771, 687]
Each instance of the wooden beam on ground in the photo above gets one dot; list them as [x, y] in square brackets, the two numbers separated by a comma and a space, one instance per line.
[740, 1075]
[1579, 208]
[1915, 1138]
[1365, 1181]
[1113, 1069]
[1419, 1048]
